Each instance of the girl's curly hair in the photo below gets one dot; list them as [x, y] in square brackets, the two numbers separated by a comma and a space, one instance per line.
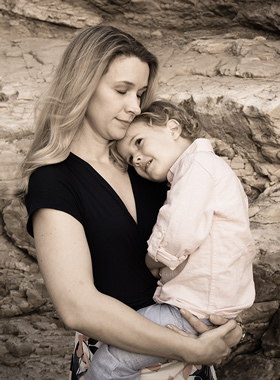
[158, 113]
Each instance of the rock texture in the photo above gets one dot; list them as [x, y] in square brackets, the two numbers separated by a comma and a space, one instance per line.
[221, 59]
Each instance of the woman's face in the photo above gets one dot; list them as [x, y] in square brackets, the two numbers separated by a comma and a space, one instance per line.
[116, 100]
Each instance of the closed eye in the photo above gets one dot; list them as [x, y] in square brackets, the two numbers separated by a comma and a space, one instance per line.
[140, 94]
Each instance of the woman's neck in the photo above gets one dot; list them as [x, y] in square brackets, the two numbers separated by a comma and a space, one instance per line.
[90, 147]
[95, 152]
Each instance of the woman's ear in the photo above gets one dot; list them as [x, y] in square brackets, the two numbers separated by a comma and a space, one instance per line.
[175, 128]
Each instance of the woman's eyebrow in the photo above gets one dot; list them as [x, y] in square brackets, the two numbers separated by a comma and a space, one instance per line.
[131, 84]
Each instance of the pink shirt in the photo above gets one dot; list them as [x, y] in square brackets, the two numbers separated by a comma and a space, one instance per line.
[203, 236]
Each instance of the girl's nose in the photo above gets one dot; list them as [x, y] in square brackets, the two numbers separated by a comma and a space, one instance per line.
[137, 160]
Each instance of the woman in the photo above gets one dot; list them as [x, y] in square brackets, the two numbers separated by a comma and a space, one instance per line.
[84, 212]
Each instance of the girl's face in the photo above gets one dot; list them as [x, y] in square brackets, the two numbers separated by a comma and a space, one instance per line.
[151, 150]
[116, 100]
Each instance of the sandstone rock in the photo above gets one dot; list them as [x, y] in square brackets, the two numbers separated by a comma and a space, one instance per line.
[251, 367]
[271, 339]
[17, 348]
[228, 77]
[58, 12]
[15, 219]
[246, 118]
[186, 15]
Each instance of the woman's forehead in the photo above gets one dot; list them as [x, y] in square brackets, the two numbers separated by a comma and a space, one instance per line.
[129, 69]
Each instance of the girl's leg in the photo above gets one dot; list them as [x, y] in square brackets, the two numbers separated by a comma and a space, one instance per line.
[111, 363]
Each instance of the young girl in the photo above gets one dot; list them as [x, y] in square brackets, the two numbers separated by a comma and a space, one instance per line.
[201, 244]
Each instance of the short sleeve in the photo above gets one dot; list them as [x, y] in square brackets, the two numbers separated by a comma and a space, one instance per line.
[51, 187]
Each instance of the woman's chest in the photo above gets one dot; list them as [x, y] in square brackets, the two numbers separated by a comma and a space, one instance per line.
[120, 183]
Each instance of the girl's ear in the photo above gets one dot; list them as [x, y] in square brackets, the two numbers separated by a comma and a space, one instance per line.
[175, 128]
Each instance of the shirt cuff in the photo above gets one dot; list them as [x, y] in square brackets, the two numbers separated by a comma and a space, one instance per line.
[157, 250]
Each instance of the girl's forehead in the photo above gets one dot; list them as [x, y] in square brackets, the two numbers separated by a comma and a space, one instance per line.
[133, 130]
[123, 146]
[137, 126]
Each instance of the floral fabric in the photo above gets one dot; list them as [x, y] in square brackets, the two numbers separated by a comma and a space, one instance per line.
[84, 349]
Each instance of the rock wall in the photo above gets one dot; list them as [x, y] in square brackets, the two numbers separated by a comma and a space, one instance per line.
[218, 58]
[182, 15]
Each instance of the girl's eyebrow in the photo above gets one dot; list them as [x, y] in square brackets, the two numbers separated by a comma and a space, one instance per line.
[132, 138]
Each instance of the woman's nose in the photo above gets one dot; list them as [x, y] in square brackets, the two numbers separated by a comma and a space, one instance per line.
[134, 106]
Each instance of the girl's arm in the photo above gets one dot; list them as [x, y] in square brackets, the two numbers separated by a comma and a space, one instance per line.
[153, 266]
[185, 219]
[65, 263]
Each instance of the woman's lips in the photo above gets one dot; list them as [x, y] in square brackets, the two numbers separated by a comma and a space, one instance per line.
[124, 122]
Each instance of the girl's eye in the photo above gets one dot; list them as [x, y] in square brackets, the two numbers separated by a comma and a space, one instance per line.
[138, 142]
[121, 92]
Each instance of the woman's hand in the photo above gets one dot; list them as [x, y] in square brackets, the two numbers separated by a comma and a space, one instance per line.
[210, 347]
[231, 339]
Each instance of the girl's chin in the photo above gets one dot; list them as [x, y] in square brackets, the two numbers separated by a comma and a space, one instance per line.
[151, 177]
[159, 178]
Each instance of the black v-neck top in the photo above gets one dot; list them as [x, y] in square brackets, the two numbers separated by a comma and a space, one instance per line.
[117, 243]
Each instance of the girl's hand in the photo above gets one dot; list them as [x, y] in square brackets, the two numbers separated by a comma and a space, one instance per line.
[231, 339]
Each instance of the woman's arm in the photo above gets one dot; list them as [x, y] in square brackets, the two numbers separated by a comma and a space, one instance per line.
[65, 262]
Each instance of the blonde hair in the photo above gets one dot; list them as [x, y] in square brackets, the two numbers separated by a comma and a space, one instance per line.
[61, 111]
[158, 114]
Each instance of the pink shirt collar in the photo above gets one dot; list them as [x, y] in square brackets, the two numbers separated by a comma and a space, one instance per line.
[197, 146]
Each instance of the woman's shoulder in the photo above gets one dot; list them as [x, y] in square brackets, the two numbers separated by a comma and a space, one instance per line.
[52, 186]
[51, 172]
[54, 180]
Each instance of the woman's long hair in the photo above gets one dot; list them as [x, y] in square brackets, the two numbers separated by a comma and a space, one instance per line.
[61, 110]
